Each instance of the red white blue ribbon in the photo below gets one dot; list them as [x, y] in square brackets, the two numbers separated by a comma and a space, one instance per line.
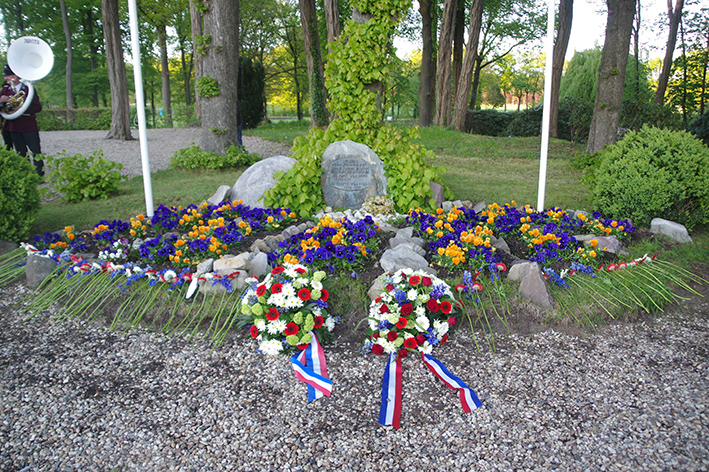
[390, 409]
[468, 399]
[310, 367]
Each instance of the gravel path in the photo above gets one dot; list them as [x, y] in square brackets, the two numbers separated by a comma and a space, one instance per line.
[77, 397]
[162, 145]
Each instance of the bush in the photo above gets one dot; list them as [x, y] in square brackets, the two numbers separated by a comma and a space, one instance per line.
[83, 178]
[700, 127]
[19, 197]
[654, 173]
[487, 122]
[92, 119]
[193, 158]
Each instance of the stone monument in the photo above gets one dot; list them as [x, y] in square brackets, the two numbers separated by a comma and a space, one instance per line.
[258, 178]
[351, 173]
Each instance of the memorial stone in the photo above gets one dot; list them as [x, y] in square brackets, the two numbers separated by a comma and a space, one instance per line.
[351, 173]
[258, 178]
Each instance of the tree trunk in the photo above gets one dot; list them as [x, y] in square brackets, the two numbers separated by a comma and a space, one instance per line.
[196, 26]
[332, 20]
[165, 75]
[674, 17]
[69, 56]
[311, 41]
[466, 75]
[93, 53]
[221, 63]
[120, 109]
[186, 75]
[443, 71]
[476, 83]
[426, 87]
[611, 76]
[458, 44]
[636, 51]
[566, 14]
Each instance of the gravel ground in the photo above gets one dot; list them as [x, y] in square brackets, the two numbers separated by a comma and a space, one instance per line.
[631, 397]
[162, 144]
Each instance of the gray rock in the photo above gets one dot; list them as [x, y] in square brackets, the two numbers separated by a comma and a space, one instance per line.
[228, 264]
[457, 203]
[670, 229]
[259, 265]
[480, 206]
[518, 271]
[259, 245]
[221, 195]
[291, 231]
[37, 269]
[534, 288]
[258, 178]
[605, 243]
[351, 173]
[405, 233]
[7, 246]
[205, 266]
[438, 193]
[501, 245]
[377, 287]
[467, 204]
[447, 206]
[402, 257]
[137, 242]
[406, 242]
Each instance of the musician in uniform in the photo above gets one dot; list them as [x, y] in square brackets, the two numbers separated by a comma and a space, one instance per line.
[6, 137]
[23, 129]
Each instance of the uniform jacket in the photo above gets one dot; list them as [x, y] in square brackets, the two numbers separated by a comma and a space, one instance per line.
[27, 121]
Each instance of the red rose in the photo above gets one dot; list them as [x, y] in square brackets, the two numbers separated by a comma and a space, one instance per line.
[401, 324]
[383, 309]
[403, 353]
[304, 294]
[375, 335]
[291, 329]
[389, 287]
[410, 343]
[277, 288]
[392, 335]
[452, 321]
[420, 339]
[406, 309]
[324, 295]
[444, 339]
[427, 282]
[378, 299]
[302, 346]
[318, 321]
[254, 332]
[260, 290]
[300, 270]
[446, 307]
[432, 305]
[277, 270]
[377, 349]
[272, 314]
[415, 280]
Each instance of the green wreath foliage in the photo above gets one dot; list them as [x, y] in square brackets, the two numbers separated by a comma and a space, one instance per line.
[358, 59]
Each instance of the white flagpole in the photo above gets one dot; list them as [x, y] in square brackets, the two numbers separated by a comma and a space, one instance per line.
[140, 107]
[549, 47]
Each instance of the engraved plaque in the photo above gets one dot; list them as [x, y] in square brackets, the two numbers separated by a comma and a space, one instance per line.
[352, 172]
[349, 173]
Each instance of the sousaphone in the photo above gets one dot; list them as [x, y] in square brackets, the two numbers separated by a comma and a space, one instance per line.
[30, 58]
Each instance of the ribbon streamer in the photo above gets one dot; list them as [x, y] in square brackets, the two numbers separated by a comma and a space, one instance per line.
[390, 410]
[468, 399]
[310, 367]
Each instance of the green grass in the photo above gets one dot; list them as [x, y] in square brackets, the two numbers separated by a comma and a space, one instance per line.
[281, 131]
[170, 187]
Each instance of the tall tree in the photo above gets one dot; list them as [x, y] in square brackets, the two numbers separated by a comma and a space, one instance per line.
[120, 109]
[218, 84]
[611, 76]
[674, 16]
[165, 75]
[311, 39]
[69, 56]
[197, 28]
[443, 71]
[332, 19]
[566, 13]
[427, 74]
[471, 51]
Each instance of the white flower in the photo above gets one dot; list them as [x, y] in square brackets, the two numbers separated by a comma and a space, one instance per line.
[412, 294]
[276, 327]
[169, 275]
[426, 348]
[271, 347]
[260, 323]
[396, 279]
[389, 347]
[251, 280]
[330, 323]
[422, 323]
[277, 299]
[420, 311]
[372, 324]
[440, 327]
[288, 290]
[316, 284]
[293, 302]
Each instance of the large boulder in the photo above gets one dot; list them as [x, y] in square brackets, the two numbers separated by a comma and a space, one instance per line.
[351, 173]
[258, 178]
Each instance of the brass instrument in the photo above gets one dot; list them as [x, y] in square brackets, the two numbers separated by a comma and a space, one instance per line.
[12, 105]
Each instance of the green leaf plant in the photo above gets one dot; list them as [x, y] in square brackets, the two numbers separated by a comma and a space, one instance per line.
[357, 67]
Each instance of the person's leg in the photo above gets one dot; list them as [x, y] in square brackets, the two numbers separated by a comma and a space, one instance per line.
[7, 137]
[32, 140]
[18, 140]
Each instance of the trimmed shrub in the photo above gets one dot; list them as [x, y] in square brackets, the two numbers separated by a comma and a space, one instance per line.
[193, 158]
[700, 127]
[83, 178]
[19, 197]
[487, 122]
[654, 173]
